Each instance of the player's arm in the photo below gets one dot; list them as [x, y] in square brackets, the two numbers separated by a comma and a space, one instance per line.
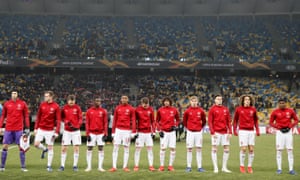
[152, 121]
[210, 121]
[203, 119]
[158, 117]
[113, 129]
[3, 116]
[228, 122]
[235, 121]
[105, 123]
[256, 124]
[133, 119]
[26, 116]
[58, 120]
[272, 120]
[38, 118]
[87, 123]
[185, 118]
[79, 117]
[295, 118]
[177, 119]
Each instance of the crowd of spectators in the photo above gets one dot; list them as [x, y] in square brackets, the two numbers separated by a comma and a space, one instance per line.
[242, 38]
[111, 85]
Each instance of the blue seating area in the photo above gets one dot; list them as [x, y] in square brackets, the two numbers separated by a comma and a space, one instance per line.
[234, 38]
[25, 35]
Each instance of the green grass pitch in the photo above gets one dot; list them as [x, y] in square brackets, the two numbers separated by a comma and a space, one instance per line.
[264, 165]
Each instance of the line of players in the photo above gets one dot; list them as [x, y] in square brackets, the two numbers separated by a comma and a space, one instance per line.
[139, 124]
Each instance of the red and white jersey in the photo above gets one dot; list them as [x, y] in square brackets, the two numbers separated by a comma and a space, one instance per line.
[219, 120]
[283, 118]
[245, 118]
[194, 118]
[145, 119]
[167, 116]
[96, 121]
[124, 118]
[73, 115]
[15, 114]
[48, 117]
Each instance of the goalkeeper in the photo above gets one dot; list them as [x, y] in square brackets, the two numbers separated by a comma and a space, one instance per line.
[284, 119]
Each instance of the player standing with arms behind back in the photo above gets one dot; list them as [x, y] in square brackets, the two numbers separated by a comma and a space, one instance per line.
[71, 115]
[245, 121]
[48, 117]
[219, 121]
[167, 122]
[194, 119]
[145, 129]
[284, 119]
[96, 132]
[124, 128]
[15, 114]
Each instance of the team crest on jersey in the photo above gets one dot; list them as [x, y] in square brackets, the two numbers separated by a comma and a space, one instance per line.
[51, 110]
[198, 114]
[288, 115]
[19, 107]
[149, 113]
[225, 112]
[100, 114]
[251, 113]
[74, 111]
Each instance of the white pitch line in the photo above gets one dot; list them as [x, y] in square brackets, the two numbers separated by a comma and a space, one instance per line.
[11, 147]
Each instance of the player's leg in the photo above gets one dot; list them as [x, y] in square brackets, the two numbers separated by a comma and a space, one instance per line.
[39, 136]
[215, 140]
[289, 147]
[7, 139]
[18, 136]
[243, 141]
[138, 146]
[198, 143]
[66, 141]
[162, 152]
[50, 142]
[251, 144]
[172, 145]
[117, 142]
[126, 143]
[101, 144]
[189, 151]
[225, 143]
[89, 154]
[76, 140]
[149, 145]
[100, 158]
[279, 148]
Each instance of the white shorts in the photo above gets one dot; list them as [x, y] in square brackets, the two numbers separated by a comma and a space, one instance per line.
[69, 136]
[223, 139]
[246, 138]
[284, 140]
[41, 134]
[169, 140]
[96, 138]
[122, 137]
[194, 139]
[144, 138]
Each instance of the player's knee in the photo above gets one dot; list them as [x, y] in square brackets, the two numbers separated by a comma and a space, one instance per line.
[149, 148]
[90, 148]
[138, 148]
[100, 148]
[172, 149]
[36, 144]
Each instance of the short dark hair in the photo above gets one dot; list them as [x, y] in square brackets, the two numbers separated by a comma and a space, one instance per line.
[217, 95]
[71, 97]
[167, 99]
[282, 99]
[145, 100]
